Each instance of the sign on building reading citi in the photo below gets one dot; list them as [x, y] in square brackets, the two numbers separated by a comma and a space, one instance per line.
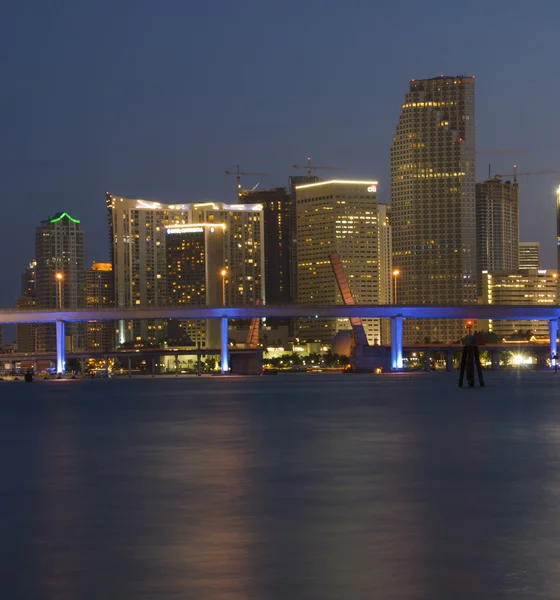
[372, 188]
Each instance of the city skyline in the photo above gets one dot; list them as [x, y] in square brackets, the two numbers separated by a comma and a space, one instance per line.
[78, 141]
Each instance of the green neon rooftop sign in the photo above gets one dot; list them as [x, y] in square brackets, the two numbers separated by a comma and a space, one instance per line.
[62, 215]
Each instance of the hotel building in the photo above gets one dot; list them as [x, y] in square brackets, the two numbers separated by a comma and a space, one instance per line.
[195, 263]
[138, 236]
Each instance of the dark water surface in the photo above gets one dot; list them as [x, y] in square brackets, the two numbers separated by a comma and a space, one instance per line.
[297, 486]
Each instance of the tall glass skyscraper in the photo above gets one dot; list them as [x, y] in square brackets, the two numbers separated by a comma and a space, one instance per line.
[433, 201]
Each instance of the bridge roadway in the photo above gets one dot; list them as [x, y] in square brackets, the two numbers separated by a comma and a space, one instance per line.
[396, 313]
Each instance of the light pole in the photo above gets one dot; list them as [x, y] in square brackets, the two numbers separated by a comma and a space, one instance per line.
[396, 273]
[59, 278]
[223, 273]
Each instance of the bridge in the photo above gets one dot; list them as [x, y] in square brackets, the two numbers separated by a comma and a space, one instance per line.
[396, 313]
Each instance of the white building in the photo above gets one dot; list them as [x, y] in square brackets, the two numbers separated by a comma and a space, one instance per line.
[138, 253]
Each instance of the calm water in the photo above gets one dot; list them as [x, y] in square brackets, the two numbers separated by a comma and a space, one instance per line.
[297, 486]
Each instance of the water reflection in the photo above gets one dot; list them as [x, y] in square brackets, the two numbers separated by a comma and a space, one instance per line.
[304, 487]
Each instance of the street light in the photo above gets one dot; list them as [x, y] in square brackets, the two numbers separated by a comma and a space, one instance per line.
[396, 273]
[223, 273]
[59, 278]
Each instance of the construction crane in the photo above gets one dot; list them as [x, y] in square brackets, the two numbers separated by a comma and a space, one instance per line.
[238, 174]
[310, 168]
[512, 152]
[515, 174]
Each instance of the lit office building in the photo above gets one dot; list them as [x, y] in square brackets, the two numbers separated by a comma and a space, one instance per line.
[100, 335]
[525, 288]
[386, 277]
[433, 202]
[296, 180]
[195, 263]
[26, 333]
[138, 253]
[337, 216]
[497, 227]
[59, 251]
[529, 256]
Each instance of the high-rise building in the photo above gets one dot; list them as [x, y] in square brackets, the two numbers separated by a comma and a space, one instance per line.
[337, 216]
[59, 251]
[433, 201]
[497, 227]
[385, 266]
[296, 180]
[195, 276]
[26, 333]
[277, 241]
[524, 288]
[100, 335]
[529, 256]
[138, 253]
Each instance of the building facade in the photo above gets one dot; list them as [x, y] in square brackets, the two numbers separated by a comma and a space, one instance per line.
[277, 241]
[100, 335]
[497, 227]
[195, 263]
[59, 251]
[138, 254]
[524, 288]
[340, 216]
[26, 333]
[433, 201]
[529, 256]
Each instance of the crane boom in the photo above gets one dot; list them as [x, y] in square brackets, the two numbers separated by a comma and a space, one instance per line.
[238, 174]
[347, 297]
[309, 167]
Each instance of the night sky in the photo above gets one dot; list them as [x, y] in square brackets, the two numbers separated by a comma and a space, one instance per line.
[157, 99]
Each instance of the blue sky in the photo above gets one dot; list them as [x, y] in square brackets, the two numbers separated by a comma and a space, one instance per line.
[157, 99]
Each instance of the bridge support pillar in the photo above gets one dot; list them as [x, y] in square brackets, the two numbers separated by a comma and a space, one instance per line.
[176, 365]
[60, 347]
[82, 366]
[553, 331]
[129, 366]
[153, 366]
[495, 357]
[428, 359]
[449, 361]
[224, 345]
[396, 343]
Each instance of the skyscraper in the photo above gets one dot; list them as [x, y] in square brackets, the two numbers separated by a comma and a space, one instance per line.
[529, 255]
[195, 263]
[277, 241]
[433, 201]
[138, 253]
[100, 335]
[59, 251]
[497, 227]
[296, 180]
[337, 216]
